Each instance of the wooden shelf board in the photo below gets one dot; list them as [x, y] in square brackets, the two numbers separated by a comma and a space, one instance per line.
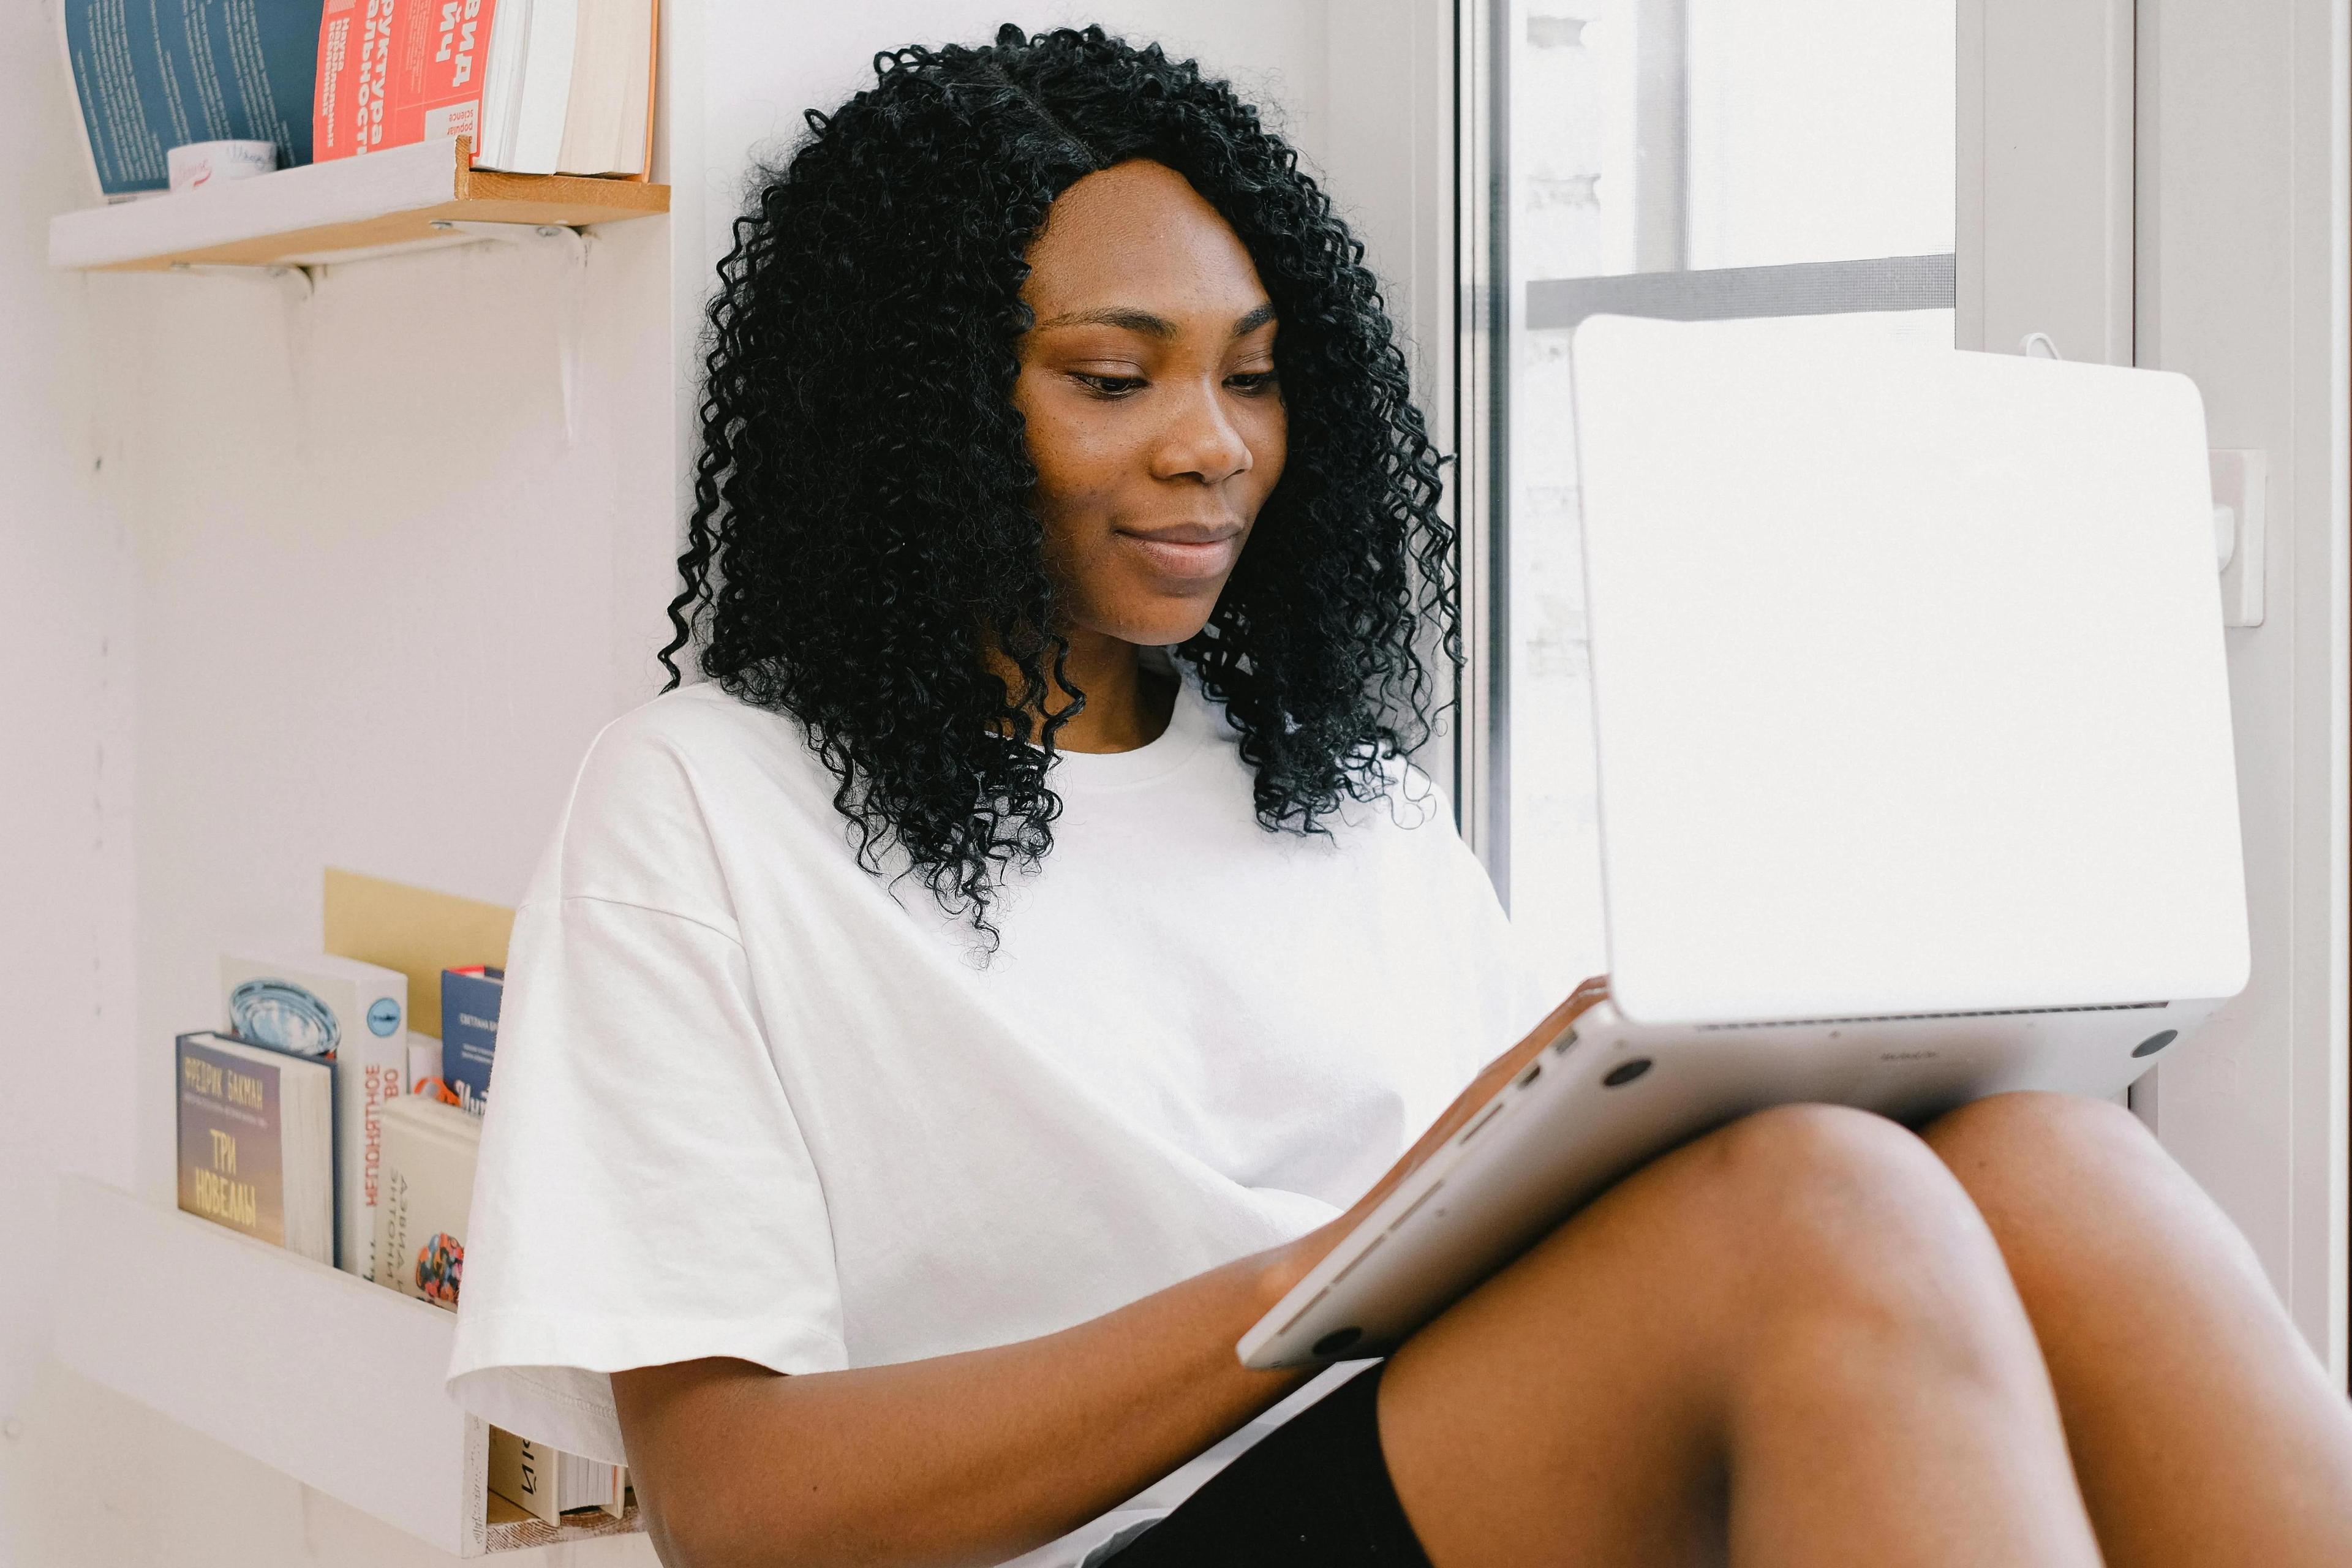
[512, 1529]
[325, 212]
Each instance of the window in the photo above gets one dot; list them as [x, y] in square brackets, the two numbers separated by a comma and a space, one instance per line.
[1789, 163]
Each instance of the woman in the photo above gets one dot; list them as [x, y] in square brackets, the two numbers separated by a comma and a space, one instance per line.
[936, 1040]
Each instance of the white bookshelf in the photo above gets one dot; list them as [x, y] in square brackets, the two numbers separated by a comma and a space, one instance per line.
[406, 198]
[316, 1372]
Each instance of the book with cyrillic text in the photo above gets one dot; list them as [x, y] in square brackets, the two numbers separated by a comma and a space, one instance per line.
[535, 86]
[148, 79]
[257, 1142]
[469, 1032]
[551, 1484]
[354, 1016]
[429, 1150]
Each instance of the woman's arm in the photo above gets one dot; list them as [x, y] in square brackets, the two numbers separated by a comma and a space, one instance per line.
[958, 1459]
[976, 1458]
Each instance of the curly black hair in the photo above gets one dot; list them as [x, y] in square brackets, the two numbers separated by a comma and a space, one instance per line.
[861, 529]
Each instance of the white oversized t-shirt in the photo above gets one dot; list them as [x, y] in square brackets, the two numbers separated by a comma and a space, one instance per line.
[749, 1102]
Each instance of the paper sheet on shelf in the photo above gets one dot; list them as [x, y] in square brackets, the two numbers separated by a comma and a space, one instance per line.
[415, 931]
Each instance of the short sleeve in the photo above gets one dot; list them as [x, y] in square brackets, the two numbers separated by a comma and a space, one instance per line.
[644, 1193]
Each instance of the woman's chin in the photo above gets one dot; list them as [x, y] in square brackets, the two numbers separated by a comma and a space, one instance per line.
[1178, 624]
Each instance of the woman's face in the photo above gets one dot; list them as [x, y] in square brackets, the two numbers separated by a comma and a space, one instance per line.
[1147, 383]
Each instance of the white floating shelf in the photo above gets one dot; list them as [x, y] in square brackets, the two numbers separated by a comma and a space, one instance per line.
[314, 1371]
[340, 211]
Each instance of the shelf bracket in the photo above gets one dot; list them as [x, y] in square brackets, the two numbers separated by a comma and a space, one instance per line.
[303, 282]
[571, 300]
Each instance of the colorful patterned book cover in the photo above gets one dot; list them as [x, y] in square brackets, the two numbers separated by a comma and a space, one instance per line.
[256, 1141]
[429, 1150]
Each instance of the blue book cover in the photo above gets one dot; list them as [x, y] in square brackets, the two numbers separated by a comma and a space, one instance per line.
[469, 1032]
[157, 76]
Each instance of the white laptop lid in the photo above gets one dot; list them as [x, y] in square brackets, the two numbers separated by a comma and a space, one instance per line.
[1908, 682]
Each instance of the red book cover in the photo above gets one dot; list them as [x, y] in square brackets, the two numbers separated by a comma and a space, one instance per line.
[392, 72]
[341, 31]
[437, 77]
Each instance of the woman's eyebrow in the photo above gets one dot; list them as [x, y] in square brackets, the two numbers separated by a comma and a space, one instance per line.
[1130, 319]
[1254, 319]
[1126, 317]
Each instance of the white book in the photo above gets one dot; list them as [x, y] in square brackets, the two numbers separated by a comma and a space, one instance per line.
[502, 84]
[429, 1150]
[633, 153]
[354, 1015]
[548, 1483]
[612, 61]
[423, 1063]
[546, 88]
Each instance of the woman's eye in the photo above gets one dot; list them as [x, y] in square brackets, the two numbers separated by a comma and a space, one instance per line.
[1253, 382]
[1107, 385]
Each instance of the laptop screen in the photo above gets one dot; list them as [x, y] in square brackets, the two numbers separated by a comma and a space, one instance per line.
[1908, 681]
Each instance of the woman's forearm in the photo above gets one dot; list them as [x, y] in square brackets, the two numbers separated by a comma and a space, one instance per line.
[959, 1459]
[976, 1458]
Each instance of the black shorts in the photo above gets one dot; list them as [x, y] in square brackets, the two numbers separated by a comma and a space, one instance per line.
[1314, 1492]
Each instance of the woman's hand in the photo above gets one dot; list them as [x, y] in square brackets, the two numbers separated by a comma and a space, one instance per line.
[1289, 1264]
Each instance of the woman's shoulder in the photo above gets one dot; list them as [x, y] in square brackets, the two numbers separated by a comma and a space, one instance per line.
[667, 792]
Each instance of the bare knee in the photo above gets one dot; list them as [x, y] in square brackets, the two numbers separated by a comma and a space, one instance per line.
[2029, 1132]
[1848, 1233]
[2072, 1187]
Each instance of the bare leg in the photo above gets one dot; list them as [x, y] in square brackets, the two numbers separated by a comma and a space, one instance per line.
[2204, 1430]
[1795, 1333]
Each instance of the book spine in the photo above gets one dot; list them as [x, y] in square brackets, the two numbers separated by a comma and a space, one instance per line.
[524, 1473]
[369, 1072]
[341, 30]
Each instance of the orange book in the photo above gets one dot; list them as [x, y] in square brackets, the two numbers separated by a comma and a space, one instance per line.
[393, 72]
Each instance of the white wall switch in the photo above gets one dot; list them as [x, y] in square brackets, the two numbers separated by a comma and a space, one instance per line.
[2240, 477]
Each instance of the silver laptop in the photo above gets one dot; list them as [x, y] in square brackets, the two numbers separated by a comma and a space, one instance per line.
[1915, 774]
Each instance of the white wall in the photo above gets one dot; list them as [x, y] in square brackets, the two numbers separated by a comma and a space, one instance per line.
[377, 604]
[381, 606]
[66, 737]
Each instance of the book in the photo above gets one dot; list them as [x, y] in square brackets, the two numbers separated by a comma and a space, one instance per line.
[429, 1150]
[548, 1483]
[257, 1142]
[151, 78]
[607, 125]
[354, 1016]
[425, 1068]
[394, 72]
[535, 86]
[469, 1031]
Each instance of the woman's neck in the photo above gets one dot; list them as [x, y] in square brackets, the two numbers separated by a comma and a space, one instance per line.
[1127, 707]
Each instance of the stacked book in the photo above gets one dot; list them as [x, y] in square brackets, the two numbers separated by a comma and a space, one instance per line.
[315, 1120]
[281, 1108]
[537, 87]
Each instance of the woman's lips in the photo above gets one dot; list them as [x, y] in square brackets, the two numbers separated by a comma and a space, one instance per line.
[1192, 553]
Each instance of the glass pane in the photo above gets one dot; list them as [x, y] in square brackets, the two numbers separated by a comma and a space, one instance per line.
[1654, 135]
[1812, 139]
[1820, 130]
